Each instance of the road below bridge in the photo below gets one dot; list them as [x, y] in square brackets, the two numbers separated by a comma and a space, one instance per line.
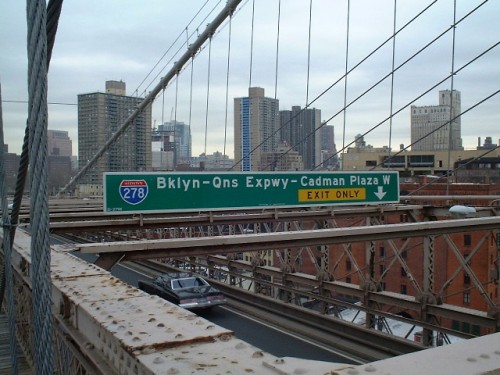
[264, 336]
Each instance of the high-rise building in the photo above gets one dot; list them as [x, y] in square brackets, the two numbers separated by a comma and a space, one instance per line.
[430, 125]
[60, 151]
[329, 157]
[100, 115]
[59, 143]
[256, 129]
[176, 137]
[284, 158]
[11, 167]
[300, 128]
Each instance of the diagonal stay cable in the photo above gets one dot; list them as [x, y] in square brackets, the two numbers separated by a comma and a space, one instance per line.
[412, 101]
[459, 166]
[191, 51]
[404, 63]
[169, 48]
[340, 79]
[429, 90]
[179, 49]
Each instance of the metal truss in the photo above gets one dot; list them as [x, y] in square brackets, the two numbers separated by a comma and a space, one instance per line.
[323, 237]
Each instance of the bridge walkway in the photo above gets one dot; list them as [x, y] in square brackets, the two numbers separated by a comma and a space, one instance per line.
[5, 364]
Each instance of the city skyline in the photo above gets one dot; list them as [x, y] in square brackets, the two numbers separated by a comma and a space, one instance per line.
[82, 59]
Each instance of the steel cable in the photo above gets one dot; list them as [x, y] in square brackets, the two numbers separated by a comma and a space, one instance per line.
[53, 13]
[227, 84]
[39, 211]
[344, 120]
[343, 77]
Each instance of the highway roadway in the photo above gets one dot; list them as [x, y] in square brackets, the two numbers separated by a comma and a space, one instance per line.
[249, 329]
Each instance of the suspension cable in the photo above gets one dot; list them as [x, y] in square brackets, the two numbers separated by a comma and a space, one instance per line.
[417, 98]
[309, 51]
[191, 99]
[459, 166]
[392, 75]
[39, 211]
[349, 72]
[136, 91]
[51, 17]
[227, 85]
[208, 94]
[452, 80]
[403, 64]
[277, 52]
[251, 45]
[348, 18]
[175, 122]
[191, 51]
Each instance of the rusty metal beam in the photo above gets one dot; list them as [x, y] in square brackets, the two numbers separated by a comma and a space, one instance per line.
[202, 246]
[99, 221]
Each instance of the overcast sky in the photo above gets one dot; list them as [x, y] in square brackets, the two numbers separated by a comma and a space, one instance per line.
[124, 40]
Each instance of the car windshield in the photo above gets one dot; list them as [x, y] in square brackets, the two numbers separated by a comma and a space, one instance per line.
[188, 282]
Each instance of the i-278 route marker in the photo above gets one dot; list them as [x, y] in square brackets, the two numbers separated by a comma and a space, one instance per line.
[179, 191]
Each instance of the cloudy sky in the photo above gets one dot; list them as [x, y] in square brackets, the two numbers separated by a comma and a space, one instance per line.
[138, 42]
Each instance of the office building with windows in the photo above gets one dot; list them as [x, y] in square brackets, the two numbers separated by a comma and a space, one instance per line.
[300, 128]
[100, 115]
[437, 127]
[176, 137]
[256, 129]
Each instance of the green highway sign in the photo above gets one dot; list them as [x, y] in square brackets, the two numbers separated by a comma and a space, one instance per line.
[179, 191]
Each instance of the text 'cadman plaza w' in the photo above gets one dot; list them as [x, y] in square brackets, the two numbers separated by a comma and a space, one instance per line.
[178, 191]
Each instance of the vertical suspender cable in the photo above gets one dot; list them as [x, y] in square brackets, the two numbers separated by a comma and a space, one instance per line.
[251, 45]
[136, 91]
[39, 211]
[345, 77]
[309, 149]
[277, 52]
[162, 106]
[451, 120]
[308, 53]
[190, 102]
[208, 94]
[227, 84]
[392, 76]
[191, 51]
[176, 149]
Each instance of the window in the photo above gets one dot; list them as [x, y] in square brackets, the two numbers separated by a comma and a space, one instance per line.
[404, 254]
[382, 269]
[382, 251]
[404, 289]
[421, 161]
[466, 298]
[467, 240]
[403, 272]
[348, 264]
[348, 280]
[466, 278]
